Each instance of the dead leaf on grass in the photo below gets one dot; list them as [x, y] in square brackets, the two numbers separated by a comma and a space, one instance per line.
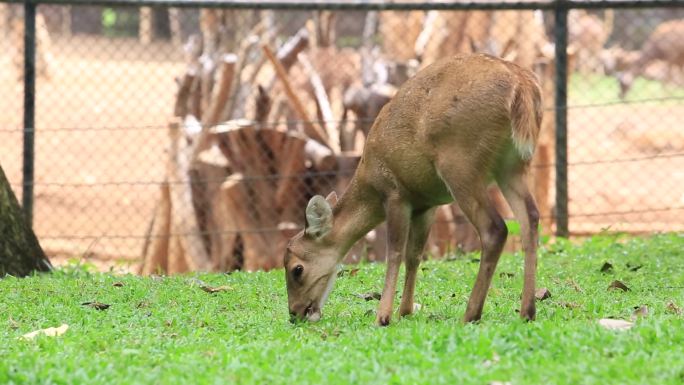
[639, 311]
[615, 324]
[542, 294]
[495, 360]
[568, 305]
[50, 332]
[618, 285]
[118, 284]
[634, 267]
[218, 289]
[673, 308]
[12, 323]
[574, 285]
[96, 305]
[607, 267]
[370, 296]
[351, 272]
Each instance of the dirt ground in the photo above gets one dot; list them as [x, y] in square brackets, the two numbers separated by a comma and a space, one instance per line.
[101, 137]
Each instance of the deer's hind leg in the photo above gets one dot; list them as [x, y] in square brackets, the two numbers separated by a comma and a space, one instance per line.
[418, 234]
[524, 208]
[468, 187]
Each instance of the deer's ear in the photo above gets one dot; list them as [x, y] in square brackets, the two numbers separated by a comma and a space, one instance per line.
[332, 199]
[318, 217]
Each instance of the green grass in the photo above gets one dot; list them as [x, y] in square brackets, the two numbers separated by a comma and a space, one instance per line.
[598, 89]
[168, 331]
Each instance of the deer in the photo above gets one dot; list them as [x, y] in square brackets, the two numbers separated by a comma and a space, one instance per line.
[665, 43]
[456, 126]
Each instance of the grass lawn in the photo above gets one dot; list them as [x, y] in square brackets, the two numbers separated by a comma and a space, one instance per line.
[593, 89]
[169, 331]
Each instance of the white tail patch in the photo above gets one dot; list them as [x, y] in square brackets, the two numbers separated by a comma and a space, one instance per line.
[525, 148]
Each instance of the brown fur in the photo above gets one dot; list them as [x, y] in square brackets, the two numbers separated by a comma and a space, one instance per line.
[587, 36]
[665, 43]
[448, 133]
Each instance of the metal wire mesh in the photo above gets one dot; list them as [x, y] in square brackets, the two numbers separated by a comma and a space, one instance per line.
[108, 81]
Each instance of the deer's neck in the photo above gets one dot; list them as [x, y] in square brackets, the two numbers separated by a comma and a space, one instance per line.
[358, 211]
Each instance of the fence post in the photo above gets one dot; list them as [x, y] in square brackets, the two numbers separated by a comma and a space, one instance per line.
[29, 107]
[561, 100]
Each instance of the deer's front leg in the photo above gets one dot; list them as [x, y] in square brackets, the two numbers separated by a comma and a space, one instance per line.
[398, 224]
[418, 235]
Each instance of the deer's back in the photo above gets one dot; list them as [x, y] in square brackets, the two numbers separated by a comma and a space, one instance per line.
[666, 43]
[456, 110]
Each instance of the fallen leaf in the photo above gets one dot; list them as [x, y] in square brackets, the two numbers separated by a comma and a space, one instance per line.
[673, 308]
[370, 296]
[96, 305]
[142, 304]
[568, 305]
[495, 360]
[118, 284]
[634, 267]
[615, 324]
[13, 324]
[417, 307]
[351, 272]
[210, 289]
[575, 285]
[618, 285]
[50, 332]
[607, 267]
[639, 311]
[542, 294]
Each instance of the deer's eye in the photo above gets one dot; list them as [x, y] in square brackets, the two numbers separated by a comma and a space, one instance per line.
[297, 271]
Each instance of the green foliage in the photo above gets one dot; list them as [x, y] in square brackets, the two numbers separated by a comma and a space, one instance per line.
[599, 89]
[120, 22]
[168, 331]
[108, 18]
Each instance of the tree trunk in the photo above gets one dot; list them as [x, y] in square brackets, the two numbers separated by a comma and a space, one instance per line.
[20, 253]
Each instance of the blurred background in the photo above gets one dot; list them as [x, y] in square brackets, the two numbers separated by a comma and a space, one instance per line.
[170, 139]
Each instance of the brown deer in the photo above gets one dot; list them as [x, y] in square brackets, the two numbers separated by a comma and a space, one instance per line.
[666, 43]
[453, 128]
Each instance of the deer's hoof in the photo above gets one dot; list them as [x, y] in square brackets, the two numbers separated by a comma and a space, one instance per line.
[528, 312]
[471, 318]
[383, 320]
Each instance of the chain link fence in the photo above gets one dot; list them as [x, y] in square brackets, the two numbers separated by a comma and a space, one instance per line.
[132, 165]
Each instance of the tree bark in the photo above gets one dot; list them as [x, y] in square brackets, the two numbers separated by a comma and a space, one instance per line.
[20, 252]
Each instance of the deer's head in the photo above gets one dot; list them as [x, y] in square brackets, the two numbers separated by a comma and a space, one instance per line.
[311, 262]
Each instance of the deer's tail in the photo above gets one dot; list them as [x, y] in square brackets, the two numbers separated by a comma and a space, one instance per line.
[526, 115]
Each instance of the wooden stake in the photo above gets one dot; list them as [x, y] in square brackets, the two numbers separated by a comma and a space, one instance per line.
[323, 103]
[313, 131]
